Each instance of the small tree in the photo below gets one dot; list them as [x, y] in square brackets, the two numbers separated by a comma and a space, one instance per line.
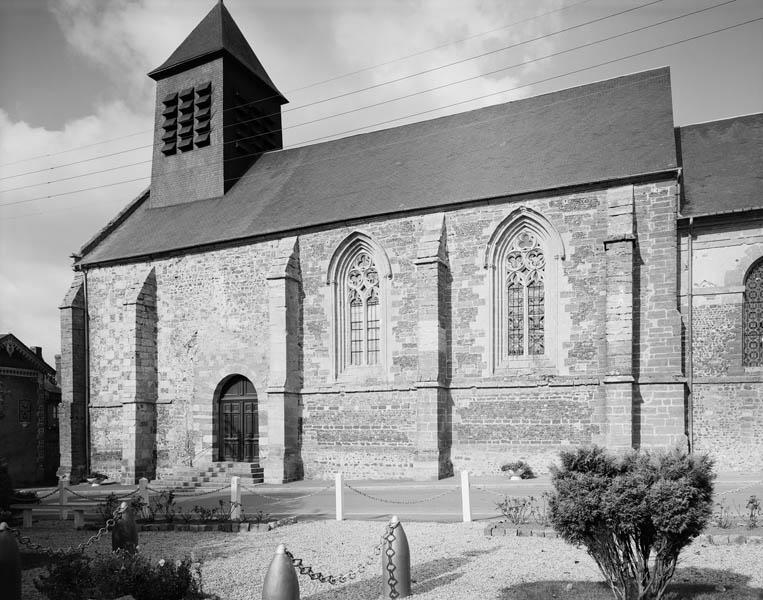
[634, 514]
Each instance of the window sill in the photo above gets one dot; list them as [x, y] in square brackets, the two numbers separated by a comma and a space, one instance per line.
[535, 365]
[364, 374]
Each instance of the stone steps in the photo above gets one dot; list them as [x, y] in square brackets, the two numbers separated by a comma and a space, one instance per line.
[209, 478]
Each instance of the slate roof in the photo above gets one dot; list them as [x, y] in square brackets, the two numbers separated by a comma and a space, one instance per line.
[613, 129]
[13, 344]
[722, 166]
[217, 33]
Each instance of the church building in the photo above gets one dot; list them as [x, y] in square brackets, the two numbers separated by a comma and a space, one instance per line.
[494, 285]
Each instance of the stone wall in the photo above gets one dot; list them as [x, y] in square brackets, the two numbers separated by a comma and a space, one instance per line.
[727, 396]
[440, 399]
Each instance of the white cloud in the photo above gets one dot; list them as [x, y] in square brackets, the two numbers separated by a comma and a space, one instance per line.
[382, 31]
[37, 237]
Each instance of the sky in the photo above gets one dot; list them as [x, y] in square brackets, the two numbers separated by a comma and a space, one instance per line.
[76, 106]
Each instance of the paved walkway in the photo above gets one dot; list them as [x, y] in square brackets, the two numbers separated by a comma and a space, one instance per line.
[410, 500]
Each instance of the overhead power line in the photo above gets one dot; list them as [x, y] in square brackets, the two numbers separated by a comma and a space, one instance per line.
[333, 157]
[390, 100]
[360, 90]
[331, 79]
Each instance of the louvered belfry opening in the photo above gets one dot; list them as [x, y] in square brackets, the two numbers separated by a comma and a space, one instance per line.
[217, 112]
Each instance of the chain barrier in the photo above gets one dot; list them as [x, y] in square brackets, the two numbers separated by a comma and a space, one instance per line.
[742, 488]
[103, 498]
[24, 540]
[487, 491]
[48, 495]
[404, 501]
[280, 498]
[36, 497]
[180, 494]
[373, 556]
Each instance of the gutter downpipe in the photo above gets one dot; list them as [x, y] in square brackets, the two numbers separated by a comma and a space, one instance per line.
[689, 334]
[87, 374]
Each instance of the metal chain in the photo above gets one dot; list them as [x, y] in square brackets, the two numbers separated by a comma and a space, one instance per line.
[742, 488]
[55, 491]
[390, 567]
[281, 499]
[103, 498]
[404, 501]
[487, 491]
[24, 540]
[352, 573]
[180, 494]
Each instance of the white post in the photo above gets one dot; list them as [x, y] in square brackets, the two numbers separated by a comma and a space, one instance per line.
[339, 497]
[143, 494]
[63, 514]
[235, 498]
[466, 502]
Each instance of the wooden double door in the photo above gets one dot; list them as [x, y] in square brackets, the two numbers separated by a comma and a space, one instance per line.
[239, 427]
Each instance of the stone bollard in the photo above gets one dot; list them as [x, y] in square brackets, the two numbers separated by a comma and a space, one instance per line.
[10, 565]
[63, 514]
[235, 498]
[124, 536]
[396, 562]
[281, 579]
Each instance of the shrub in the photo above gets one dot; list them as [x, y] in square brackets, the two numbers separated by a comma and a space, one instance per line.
[633, 514]
[119, 574]
[519, 468]
[67, 578]
[515, 510]
[112, 502]
[163, 506]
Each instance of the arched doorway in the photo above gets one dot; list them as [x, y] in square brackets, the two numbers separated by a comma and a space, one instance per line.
[238, 427]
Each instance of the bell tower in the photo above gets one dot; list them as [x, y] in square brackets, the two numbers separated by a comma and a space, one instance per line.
[217, 111]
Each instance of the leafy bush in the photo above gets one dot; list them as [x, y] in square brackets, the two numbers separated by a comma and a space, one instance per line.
[519, 468]
[633, 514]
[515, 510]
[112, 502]
[163, 506]
[68, 578]
[22, 497]
[119, 574]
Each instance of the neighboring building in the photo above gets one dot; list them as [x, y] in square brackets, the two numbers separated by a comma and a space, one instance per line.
[450, 294]
[29, 401]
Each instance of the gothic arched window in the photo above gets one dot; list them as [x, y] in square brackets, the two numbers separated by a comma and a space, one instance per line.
[524, 255]
[753, 316]
[362, 289]
[358, 272]
[525, 296]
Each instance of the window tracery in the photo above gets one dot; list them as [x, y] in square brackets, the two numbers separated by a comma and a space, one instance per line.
[753, 317]
[525, 303]
[363, 296]
[359, 273]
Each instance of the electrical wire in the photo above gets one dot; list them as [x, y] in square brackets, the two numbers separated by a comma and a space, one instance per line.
[334, 157]
[346, 94]
[390, 100]
[330, 79]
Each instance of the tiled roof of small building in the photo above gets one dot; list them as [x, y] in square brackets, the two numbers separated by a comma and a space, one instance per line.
[722, 166]
[603, 131]
[217, 32]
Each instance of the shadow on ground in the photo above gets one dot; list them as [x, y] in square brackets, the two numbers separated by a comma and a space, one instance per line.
[690, 583]
[425, 577]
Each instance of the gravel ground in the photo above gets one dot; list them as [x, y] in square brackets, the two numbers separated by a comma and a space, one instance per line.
[448, 561]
